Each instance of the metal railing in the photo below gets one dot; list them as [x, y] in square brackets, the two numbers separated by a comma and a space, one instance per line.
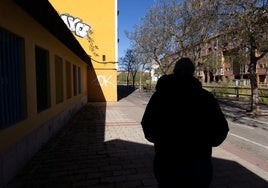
[237, 92]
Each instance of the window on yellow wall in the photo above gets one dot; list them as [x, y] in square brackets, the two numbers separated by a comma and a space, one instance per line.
[12, 79]
[58, 79]
[68, 80]
[74, 80]
[42, 78]
[79, 79]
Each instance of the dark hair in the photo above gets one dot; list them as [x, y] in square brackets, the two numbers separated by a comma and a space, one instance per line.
[184, 66]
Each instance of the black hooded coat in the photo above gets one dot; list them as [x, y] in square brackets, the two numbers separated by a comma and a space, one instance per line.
[183, 120]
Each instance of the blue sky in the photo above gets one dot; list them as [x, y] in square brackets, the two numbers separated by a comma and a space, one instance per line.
[130, 14]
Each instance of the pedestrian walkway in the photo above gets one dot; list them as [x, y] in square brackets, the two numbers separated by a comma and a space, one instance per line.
[104, 147]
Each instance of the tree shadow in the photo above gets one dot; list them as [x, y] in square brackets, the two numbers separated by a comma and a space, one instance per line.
[235, 111]
[123, 91]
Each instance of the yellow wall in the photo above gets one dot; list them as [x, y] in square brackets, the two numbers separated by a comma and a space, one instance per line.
[99, 18]
[38, 36]
[19, 141]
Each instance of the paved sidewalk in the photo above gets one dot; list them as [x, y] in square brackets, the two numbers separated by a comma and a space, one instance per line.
[104, 147]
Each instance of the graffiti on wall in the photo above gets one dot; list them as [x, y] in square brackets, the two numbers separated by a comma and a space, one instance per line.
[102, 80]
[76, 25]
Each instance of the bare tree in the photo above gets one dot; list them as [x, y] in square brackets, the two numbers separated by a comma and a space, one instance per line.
[130, 64]
[144, 63]
[153, 36]
[245, 22]
[172, 29]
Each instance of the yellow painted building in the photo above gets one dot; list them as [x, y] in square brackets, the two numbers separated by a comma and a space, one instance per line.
[45, 78]
[94, 24]
[55, 57]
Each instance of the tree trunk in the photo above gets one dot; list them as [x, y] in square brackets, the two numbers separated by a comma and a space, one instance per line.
[253, 83]
[140, 82]
[128, 78]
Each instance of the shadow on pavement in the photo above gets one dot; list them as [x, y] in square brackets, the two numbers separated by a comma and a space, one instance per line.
[80, 156]
[231, 174]
[124, 90]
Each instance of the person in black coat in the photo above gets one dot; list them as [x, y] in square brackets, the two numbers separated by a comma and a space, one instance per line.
[184, 121]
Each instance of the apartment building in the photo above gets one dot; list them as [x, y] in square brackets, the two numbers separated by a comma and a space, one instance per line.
[220, 68]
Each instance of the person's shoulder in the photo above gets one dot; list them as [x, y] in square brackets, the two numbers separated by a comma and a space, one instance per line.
[197, 84]
[208, 97]
[163, 81]
[164, 77]
[207, 94]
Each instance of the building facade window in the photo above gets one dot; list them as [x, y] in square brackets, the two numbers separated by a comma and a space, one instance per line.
[42, 78]
[12, 79]
[68, 80]
[58, 79]
[79, 80]
[74, 80]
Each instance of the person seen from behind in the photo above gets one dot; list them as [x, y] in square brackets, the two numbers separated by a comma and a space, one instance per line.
[184, 122]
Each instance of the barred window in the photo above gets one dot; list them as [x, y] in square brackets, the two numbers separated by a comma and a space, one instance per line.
[12, 79]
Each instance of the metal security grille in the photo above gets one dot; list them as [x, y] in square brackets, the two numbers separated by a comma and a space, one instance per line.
[12, 79]
[42, 78]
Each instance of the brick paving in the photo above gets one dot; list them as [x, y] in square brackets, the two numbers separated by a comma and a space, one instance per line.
[104, 147]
